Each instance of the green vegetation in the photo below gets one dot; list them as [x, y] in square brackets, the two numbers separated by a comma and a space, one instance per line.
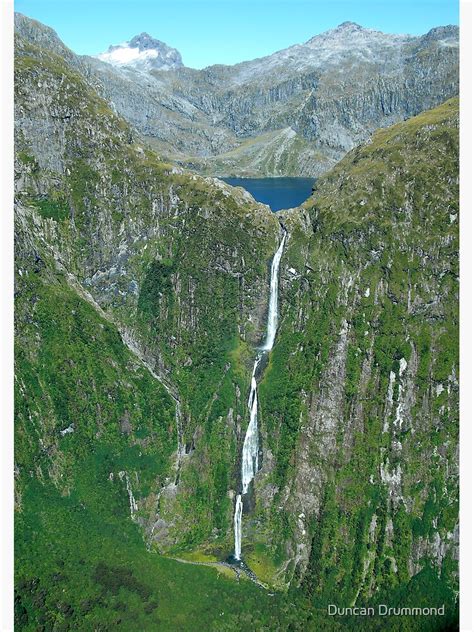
[79, 375]
[54, 209]
[400, 306]
[360, 390]
[81, 562]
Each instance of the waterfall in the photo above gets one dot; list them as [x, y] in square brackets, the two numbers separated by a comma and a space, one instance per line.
[250, 447]
[273, 302]
[238, 526]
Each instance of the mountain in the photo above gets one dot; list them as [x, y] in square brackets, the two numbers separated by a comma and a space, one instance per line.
[99, 221]
[141, 298]
[143, 53]
[347, 43]
[295, 112]
[362, 394]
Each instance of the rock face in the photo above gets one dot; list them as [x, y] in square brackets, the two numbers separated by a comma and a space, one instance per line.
[329, 94]
[143, 53]
[141, 294]
[363, 428]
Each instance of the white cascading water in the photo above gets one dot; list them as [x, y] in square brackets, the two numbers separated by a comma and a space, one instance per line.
[272, 321]
[250, 447]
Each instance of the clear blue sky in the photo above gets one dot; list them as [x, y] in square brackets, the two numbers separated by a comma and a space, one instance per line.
[227, 31]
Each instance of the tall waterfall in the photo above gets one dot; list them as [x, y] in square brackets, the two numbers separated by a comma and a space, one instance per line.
[250, 447]
[272, 322]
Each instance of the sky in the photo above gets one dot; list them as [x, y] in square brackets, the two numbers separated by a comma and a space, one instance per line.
[227, 31]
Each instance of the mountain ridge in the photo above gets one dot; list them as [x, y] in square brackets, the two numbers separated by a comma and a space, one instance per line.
[341, 31]
[331, 98]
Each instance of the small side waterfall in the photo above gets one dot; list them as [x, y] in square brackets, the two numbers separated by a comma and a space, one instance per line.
[250, 447]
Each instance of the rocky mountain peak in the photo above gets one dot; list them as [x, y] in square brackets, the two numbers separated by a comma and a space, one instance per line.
[349, 26]
[143, 52]
[351, 34]
[351, 39]
[448, 34]
[144, 41]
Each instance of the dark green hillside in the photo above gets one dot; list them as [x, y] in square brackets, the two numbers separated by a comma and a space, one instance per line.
[177, 261]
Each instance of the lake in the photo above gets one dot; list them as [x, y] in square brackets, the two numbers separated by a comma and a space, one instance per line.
[278, 193]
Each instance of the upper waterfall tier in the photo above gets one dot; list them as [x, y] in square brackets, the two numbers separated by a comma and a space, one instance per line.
[272, 322]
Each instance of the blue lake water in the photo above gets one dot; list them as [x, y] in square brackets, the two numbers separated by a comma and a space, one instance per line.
[278, 193]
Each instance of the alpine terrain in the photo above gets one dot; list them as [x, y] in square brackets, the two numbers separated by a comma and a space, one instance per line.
[295, 112]
[228, 418]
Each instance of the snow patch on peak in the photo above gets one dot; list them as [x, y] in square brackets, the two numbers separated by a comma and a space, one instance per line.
[125, 55]
[142, 52]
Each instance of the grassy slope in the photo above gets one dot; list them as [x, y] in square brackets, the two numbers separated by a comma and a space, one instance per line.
[272, 154]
